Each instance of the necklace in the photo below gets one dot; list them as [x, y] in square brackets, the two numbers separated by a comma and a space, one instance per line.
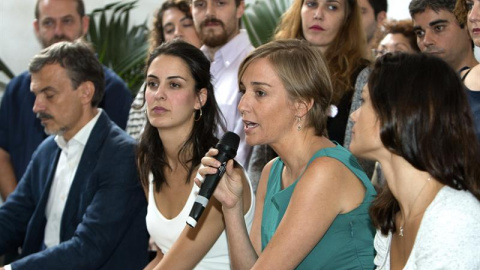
[400, 233]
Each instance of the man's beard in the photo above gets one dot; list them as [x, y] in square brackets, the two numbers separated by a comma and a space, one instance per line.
[209, 37]
[48, 131]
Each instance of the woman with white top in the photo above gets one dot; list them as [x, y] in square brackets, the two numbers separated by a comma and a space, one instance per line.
[182, 119]
[415, 120]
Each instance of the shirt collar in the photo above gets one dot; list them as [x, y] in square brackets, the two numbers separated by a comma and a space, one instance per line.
[230, 51]
[82, 135]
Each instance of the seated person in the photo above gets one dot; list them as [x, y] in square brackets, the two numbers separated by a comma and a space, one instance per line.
[420, 130]
[79, 204]
[20, 132]
[312, 201]
[183, 117]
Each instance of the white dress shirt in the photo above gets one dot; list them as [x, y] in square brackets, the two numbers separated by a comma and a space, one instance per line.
[62, 181]
[224, 69]
[64, 174]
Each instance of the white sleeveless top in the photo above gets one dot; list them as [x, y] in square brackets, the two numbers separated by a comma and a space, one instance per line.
[166, 231]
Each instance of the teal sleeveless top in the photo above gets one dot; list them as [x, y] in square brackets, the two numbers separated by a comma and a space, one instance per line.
[348, 242]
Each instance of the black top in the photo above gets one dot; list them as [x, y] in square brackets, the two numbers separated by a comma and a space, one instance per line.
[336, 126]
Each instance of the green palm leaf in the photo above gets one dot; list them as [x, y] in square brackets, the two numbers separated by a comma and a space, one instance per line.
[261, 19]
[119, 46]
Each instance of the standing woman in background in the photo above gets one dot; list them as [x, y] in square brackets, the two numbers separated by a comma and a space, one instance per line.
[420, 129]
[172, 21]
[182, 120]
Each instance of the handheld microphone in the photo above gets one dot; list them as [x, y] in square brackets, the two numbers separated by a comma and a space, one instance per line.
[227, 149]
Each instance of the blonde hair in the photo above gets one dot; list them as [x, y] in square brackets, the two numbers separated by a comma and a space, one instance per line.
[304, 73]
[346, 53]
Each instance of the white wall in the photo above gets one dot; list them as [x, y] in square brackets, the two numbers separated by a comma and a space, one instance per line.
[18, 43]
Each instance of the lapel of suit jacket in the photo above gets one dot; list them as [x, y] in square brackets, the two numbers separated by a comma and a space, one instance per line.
[36, 235]
[87, 164]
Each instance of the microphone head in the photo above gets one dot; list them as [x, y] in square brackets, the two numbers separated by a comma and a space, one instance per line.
[229, 144]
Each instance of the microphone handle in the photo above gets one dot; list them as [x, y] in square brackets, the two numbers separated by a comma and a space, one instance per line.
[208, 187]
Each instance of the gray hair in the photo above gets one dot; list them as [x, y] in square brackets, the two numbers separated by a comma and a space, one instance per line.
[80, 62]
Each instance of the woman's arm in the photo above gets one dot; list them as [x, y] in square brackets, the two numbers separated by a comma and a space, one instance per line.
[155, 260]
[243, 250]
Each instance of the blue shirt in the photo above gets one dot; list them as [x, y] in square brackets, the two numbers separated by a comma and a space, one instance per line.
[474, 101]
[21, 132]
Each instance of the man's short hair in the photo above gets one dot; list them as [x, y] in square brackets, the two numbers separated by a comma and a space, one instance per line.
[378, 6]
[80, 8]
[419, 6]
[80, 62]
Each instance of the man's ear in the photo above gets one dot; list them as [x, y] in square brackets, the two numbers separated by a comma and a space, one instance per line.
[85, 24]
[240, 9]
[201, 98]
[381, 17]
[86, 90]
[36, 27]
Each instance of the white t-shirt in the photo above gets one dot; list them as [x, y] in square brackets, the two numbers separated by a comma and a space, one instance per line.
[166, 231]
[448, 236]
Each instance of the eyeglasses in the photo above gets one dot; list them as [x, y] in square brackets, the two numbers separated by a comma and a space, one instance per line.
[377, 53]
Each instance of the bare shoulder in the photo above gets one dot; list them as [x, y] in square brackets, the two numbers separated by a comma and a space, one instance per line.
[472, 81]
[330, 179]
[262, 184]
[327, 168]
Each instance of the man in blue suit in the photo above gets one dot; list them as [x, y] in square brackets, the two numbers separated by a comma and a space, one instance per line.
[79, 204]
[20, 131]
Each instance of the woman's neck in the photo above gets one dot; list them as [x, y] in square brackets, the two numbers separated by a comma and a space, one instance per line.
[296, 150]
[173, 142]
[413, 189]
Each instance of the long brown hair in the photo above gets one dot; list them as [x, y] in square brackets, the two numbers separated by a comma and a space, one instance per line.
[347, 53]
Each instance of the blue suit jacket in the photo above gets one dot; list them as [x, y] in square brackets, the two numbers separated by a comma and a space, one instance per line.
[103, 224]
[21, 132]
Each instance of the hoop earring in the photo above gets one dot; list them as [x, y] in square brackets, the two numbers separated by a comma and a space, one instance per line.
[299, 124]
[200, 116]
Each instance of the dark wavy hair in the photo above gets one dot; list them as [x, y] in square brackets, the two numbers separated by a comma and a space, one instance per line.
[156, 34]
[425, 118]
[150, 151]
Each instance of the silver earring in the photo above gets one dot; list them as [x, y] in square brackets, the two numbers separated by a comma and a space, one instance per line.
[199, 116]
[299, 124]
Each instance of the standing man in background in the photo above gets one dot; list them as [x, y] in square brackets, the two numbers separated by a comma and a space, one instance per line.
[374, 13]
[20, 131]
[225, 45]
